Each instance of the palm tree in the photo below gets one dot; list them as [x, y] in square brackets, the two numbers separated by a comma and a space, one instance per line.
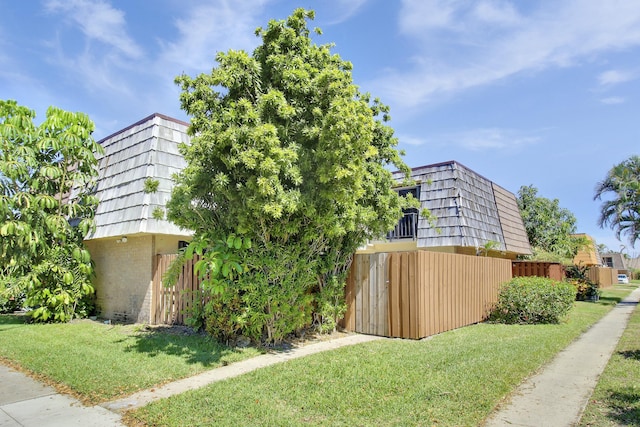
[621, 211]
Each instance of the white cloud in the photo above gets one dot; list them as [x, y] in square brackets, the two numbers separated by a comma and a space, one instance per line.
[612, 100]
[98, 20]
[411, 140]
[613, 77]
[212, 27]
[337, 11]
[449, 58]
[486, 139]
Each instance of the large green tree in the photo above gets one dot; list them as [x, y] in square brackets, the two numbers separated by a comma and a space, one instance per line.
[549, 227]
[47, 172]
[620, 192]
[288, 158]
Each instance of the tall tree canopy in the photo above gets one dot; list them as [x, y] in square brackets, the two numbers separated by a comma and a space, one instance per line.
[291, 160]
[549, 227]
[43, 220]
[620, 192]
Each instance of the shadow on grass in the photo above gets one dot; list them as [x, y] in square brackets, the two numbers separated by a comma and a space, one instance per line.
[630, 354]
[624, 408]
[11, 320]
[610, 300]
[193, 348]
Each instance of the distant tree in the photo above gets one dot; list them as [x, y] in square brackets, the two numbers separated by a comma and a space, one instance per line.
[288, 164]
[42, 224]
[549, 227]
[622, 211]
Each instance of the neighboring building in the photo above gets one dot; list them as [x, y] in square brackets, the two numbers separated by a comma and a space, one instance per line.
[134, 184]
[587, 256]
[473, 215]
[615, 260]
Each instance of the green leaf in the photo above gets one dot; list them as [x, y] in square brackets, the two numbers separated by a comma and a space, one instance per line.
[237, 242]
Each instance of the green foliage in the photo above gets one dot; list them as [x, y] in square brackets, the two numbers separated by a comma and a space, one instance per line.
[10, 304]
[286, 152]
[533, 300]
[194, 316]
[330, 304]
[151, 185]
[622, 211]
[47, 173]
[549, 227]
[578, 277]
[158, 213]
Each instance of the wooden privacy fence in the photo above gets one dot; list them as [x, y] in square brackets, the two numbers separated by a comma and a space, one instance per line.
[605, 277]
[552, 270]
[420, 293]
[170, 305]
[401, 294]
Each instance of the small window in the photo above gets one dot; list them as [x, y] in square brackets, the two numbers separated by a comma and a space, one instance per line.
[407, 227]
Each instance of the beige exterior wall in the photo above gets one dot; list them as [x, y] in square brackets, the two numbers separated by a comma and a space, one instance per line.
[124, 274]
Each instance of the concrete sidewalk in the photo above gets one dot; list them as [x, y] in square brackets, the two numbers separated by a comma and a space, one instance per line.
[557, 396]
[26, 402]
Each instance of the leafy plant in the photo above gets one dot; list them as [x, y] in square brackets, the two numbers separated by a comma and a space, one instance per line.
[151, 185]
[195, 316]
[158, 213]
[285, 151]
[578, 277]
[533, 300]
[549, 227]
[621, 209]
[330, 305]
[47, 173]
[10, 304]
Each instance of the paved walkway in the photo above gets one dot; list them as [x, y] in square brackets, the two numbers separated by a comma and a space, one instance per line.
[26, 402]
[557, 396]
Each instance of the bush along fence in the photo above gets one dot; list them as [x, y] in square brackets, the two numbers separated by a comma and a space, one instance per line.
[604, 277]
[397, 294]
[403, 294]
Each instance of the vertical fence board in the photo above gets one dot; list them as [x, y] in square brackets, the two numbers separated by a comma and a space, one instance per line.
[394, 300]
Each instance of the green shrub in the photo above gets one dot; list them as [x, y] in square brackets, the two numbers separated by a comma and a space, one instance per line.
[532, 300]
[578, 277]
[11, 304]
[151, 185]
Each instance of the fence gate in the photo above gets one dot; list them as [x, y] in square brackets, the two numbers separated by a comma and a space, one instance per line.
[171, 305]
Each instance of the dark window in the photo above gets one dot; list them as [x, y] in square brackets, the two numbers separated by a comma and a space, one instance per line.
[407, 227]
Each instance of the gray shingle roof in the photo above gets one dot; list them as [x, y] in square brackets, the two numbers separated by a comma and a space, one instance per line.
[146, 149]
[470, 210]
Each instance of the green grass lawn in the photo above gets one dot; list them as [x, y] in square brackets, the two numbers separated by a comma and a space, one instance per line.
[453, 379]
[99, 362]
[616, 399]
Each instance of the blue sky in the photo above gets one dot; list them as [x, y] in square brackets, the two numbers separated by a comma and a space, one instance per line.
[542, 93]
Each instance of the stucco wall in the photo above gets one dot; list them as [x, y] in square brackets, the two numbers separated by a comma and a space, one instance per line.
[123, 277]
[124, 274]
